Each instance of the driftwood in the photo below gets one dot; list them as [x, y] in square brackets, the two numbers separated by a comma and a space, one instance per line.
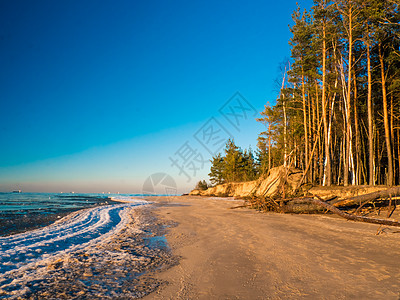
[347, 216]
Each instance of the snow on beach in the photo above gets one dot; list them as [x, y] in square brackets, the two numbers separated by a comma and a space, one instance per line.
[80, 244]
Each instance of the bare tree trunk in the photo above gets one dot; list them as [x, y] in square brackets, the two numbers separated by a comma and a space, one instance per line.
[392, 138]
[314, 133]
[341, 155]
[398, 152]
[346, 127]
[386, 119]
[357, 134]
[348, 102]
[303, 90]
[354, 217]
[327, 165]
[370, 127]
[364, 162]
[320, 148]
[284, 135]
[361, 199]
[310, 139]
[378, 161]
[269, 146]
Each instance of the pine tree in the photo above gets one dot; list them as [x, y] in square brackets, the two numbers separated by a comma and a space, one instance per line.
[201, 185]
[217, 170]
[249, 170]
[262, 161]
[233, 162]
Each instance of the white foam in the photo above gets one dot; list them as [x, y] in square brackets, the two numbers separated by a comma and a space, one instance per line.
[27, 255]
[128, 199]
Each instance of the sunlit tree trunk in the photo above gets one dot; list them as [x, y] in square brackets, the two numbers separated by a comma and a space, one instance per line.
[386, 119]
[348, 101]
[371, 156]
[284, 133]
[310, 139]
[303, 90]
[398, 153]
[327, 181]
[314, 121]
[357, 134]
[269, 146]
[392, 137]
[284, 119]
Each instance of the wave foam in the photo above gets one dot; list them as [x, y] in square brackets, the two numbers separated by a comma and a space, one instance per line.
[26, 255]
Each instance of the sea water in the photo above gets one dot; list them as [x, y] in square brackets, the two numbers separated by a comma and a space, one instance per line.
[25, 257]
[24, 211]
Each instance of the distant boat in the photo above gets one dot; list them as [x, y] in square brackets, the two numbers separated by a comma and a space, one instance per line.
[17, 191]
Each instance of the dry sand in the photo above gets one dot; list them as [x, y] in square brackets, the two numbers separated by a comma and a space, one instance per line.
[244, 254]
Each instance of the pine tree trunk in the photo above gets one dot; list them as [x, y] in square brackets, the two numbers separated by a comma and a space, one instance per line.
[269, 146]
[348, 103]
[305, 118]
[357, 134]
[398, 153]
[310, 137]
[284, 120]
[314, 135]
[378, 159]
[386, 119]
[327, 181]
[370, 127]
[320, 151]
[392, 138]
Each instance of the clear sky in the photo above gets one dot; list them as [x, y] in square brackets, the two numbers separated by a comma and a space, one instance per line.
[99, 95]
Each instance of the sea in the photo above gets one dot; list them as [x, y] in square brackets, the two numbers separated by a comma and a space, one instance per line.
[26, 211]
[38, 230]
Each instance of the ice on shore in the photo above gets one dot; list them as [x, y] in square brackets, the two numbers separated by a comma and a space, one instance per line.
[97, 241]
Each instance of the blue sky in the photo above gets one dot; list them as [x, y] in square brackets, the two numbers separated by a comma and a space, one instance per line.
[99, 95]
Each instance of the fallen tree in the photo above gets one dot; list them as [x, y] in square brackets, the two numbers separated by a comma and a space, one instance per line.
[353, 217]
[362, 199]
[315, 203]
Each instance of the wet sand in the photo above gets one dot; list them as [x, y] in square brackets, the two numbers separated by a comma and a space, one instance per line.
[244, 254]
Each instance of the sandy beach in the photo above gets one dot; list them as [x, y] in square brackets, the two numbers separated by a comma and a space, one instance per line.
[244, 254]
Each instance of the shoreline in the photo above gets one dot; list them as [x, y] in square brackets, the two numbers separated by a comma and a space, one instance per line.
[116, 264]
[126, 269]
